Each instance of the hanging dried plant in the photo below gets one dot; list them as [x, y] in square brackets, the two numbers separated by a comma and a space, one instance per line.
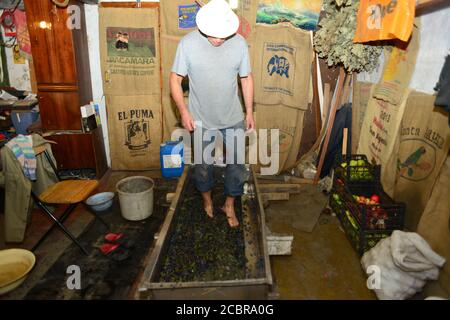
[334, 40]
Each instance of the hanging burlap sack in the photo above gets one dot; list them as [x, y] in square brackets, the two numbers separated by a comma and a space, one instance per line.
[433, 225]
[135, 131]
[170, 112]
[129, 51]
[380, 127]
[246, 12]
[424, 145]
[398, 70]
[361, 96]
[282, 66]
[178, 17]
[289, 123]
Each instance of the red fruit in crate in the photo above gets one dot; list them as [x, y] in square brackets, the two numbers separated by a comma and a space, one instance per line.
[375, 198]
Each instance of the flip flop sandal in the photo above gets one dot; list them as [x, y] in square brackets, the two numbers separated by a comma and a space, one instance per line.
[120, 238]
[115, 251]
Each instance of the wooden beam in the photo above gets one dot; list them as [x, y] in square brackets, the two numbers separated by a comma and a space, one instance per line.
[344, 141]
[299, 180]
[355, 119]
[271, 196]
[129, 4]
[342, 76]
[427, 6]
[315, 101]
[279, 187]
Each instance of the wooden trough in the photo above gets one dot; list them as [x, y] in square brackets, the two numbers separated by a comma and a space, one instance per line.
[255, 284]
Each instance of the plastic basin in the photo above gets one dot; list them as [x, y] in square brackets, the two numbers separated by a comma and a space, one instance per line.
[15, 264]
[100, 201]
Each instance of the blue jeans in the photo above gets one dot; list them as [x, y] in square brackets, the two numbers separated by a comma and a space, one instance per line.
[235, 173]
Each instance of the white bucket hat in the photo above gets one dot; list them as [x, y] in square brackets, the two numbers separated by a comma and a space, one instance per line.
[217, 19]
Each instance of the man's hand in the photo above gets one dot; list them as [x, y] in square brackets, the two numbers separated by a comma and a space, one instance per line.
[177, 94]
[188, 121]
[250, 121]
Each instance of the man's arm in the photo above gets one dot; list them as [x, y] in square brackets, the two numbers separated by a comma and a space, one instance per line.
[247, 92]
[177, 94]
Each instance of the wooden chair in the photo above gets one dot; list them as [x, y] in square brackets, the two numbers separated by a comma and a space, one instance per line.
[68, 192]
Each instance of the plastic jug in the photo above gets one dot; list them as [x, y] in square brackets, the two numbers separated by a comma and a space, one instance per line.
[171, 155]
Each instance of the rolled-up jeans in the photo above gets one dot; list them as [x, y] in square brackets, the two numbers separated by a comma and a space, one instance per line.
[235, 171]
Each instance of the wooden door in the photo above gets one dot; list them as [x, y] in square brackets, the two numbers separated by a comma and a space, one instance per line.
[51, 43]
[60, 110]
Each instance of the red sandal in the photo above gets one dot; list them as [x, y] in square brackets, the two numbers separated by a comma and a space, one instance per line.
[115, 251]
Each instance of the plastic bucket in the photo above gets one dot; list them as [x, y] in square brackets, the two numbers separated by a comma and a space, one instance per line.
[136, 197]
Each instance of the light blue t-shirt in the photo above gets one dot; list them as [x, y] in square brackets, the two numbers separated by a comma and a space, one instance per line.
[213, 71]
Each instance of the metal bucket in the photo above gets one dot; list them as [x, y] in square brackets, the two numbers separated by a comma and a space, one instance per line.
[136, 197]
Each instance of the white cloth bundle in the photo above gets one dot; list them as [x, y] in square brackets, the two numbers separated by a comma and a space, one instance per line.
[405, 261]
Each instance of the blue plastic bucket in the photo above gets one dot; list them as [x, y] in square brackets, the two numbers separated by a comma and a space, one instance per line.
[23, 119]
[171, 154]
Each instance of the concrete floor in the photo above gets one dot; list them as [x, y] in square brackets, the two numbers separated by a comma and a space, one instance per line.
[323, 264]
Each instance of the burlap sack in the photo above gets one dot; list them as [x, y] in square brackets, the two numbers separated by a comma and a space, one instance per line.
[178, 17]
[170, 112]
[424, 145]
[398, 70]
[282, 66]
[289, 122]
[361, 96]
[380, 128]
[246, 12]
[130, 64]
[433, 225]
[135, 131]
[389, 169]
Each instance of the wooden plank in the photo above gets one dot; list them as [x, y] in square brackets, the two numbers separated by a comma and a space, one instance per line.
[316, 102]
[299, 180]
[355, 119]
[271, 196]
[129, 4]
[344, 141]
[285, 178]
[279, 187]
[326, 102]
[141, 283]
[427, 6]
[346, 91]
[342, 76]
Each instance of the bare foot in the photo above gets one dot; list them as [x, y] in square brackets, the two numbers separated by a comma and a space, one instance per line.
[208, 204]
[209, 210]
[231, 216]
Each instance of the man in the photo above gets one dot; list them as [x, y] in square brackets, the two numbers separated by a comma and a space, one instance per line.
[213, 57]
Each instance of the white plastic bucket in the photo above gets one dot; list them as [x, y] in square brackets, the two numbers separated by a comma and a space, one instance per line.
[136, 197]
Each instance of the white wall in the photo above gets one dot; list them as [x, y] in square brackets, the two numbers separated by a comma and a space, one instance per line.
[434, 47]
